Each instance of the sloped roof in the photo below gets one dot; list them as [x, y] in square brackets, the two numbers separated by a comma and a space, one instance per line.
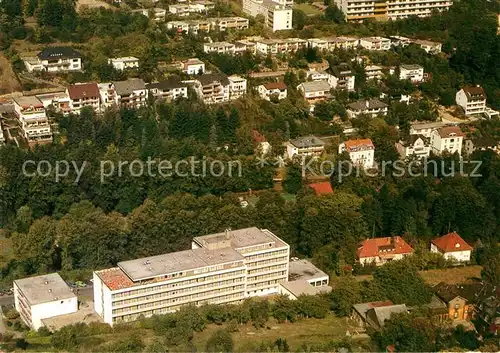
[316, 86]
[448, 292]
[382, 246]
[410, 141]
[275, 85]
[382, 314]
[129, 86]
[257, 136]
[167, 84]
[474, 92]
[210, 78]
[307, 141]
[58, 53]
[367, 104]
[451, 242]
[83, 90]
[322, 188]
[359, 144]
[450, 131]
[362, 308]
[484, 142]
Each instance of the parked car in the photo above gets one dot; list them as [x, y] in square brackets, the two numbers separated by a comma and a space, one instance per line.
[80, 284]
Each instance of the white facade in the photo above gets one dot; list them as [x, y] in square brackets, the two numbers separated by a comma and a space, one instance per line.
[34, 122]
[447, 139]
[220, 268]
[128, 62]
[237, 87]
[472, 100]
[459, 256]
[425, 129]
[268, 90]
[373, 71]
[219, 48]
[361, 152]
[193, 67]
[313, 75]
[192, 7]
[309, 146]
[372, 107]
[43, 297]
[375, 43]
[429, 46]
[276, 16]
[314, 91]
[414, 73]
[416, 147]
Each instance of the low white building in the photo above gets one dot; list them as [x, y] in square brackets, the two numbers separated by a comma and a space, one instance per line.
[414, 73]
[55, 59]
[315, 76]
[219, 48]
[168, 90]
[375, 43]
[43, 297]
[416, 146]
[429, 46]
[237, 87]
[452, 247]
[361, 152]
[157, 14]
[307, 146]
[124, 63]
[447, 139]
[304, 279]
[272, 89]
[193, 66]
[185, 9]
[372, 107]
[472, 100]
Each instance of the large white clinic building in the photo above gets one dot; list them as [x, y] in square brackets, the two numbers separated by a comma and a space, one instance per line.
[43, 297]
[220, 268]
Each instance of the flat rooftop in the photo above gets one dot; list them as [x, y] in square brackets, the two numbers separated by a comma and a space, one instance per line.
[302, 287]
[304, 270]
[241, 238]
[27, 101]
[154, 266]
[44, 289]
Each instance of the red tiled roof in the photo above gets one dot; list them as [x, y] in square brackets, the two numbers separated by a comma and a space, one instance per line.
[115, 279]
[451, 242]
[391, 245]
[322, 188]
[275, 85]
[450, 131]
[257, 136]
[356, 144]
[83, 90]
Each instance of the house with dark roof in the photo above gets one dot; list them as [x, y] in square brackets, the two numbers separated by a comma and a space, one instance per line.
[415, 146]
[452, 247]
[372, 107]
[481, 144]
[55, 59]
[272, 89]
[83, 95]
[379, 251]
[460, 299]
[314, 91]
[169, 89]
[131, 93]
[375, 314]
[472, 100]
[447, 139]
[213, 88]
[307, 146]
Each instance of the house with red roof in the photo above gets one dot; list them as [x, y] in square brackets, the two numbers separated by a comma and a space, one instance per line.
[262, 146]
[277, 89]
[83, 95]
[322, 188]
[452, 247]
[382, 250]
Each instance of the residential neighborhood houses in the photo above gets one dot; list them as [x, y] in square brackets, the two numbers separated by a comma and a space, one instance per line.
[361, 152]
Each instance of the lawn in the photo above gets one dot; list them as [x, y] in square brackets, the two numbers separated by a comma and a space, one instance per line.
[308, 9]
[305, 331]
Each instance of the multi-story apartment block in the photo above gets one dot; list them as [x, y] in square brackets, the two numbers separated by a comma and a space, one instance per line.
[219, 48]
[108, 95]
[414, 73]
[33, 119]
[224, 23]
[83, 95]
[373, 72]
[343, 78]
[237, 87]
[201, 6]
[220, 268]
[447, 139]
[131, 93]
[375, 43]
[313, 75]
[193, 66]
[55, 59]
[169, 89]
[472, 100]
[276, 16]
[213, 88]
[127, 62]
[59, 101]
[359, 10]
[314, 92]
[307, 146]
[243, 46]
[43, 297]
[361, 152]
[272, 89]
[372, 107]
[209, 24]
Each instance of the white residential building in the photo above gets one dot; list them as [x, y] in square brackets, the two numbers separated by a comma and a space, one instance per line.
[131, 93]
[373, 72]
[375, 43]
[59, 101]
[43, 297]
[55, 59]
[379, 251]
[156, 13]
[315, 76]
[304, 279]
[414, 73]
[219, 48]
[343, 78]
[83, 95]
[416, 146]
[452, 247]
[127, 62]
[169, 89]
[361, 152]
[307, 146]
[314, 92]
[209, 24]
[472, 100]
[447, 139]
[213, 88]
[237, 87]
[201, 6]
[107, 94]
[242, 46]
[276, 89]
[372, 107]
[193, 66]
[359, 10]
[220, 268]
[34, 122]
[429, 46]
[276, 16]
